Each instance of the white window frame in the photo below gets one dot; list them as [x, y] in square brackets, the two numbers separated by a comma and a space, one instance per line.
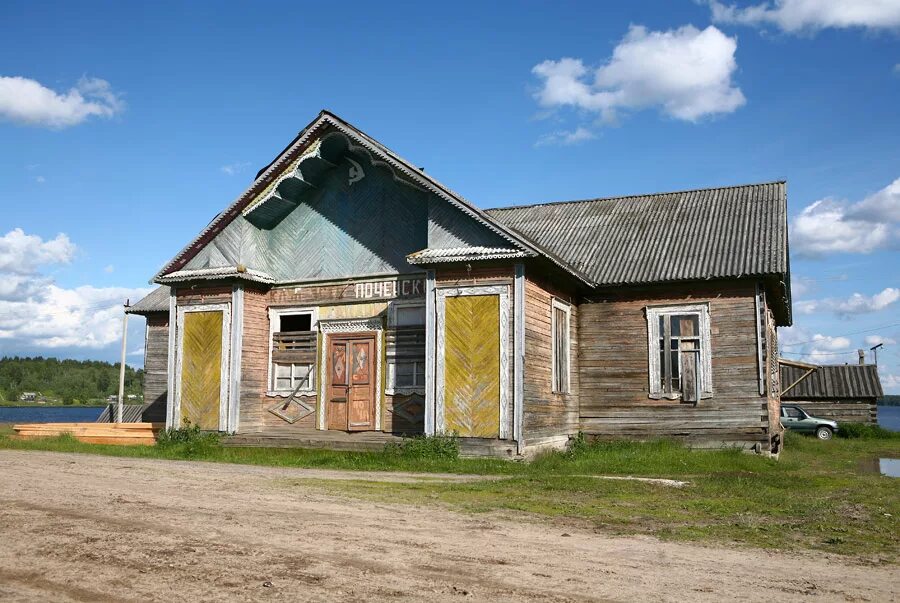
[275, 315]
[391, 388]
[567, 309]
[701, 310]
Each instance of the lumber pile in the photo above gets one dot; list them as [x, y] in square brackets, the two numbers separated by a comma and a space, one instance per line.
[94, 433]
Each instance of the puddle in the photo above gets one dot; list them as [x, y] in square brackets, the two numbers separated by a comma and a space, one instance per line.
[889, 467]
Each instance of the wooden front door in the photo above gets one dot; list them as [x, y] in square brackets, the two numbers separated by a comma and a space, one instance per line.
[472, 366]
[351, 384]
[201, 369]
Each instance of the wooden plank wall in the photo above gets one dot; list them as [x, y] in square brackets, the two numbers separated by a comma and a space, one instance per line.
[547, 414]
[614, 368]
[156, 361]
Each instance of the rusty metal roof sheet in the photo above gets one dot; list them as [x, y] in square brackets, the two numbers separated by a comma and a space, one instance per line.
[832, 382]
[727, 232]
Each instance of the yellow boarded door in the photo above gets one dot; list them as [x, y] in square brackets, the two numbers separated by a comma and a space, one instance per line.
[201, 368]
[472, 366]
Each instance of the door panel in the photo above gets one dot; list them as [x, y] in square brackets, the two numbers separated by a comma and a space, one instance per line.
[472, 366]
[351, 386]
[201, 368]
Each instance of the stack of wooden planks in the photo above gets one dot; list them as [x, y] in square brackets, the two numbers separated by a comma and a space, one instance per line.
[94, 433]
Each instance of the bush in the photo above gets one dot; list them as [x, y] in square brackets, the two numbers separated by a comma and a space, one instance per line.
[437, 447]
[188, 439]
[578, 445]
[864, 431]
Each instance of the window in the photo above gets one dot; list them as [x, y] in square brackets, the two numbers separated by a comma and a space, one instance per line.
[406, 349]
[559, 329]
[679, 349]
[293, 350]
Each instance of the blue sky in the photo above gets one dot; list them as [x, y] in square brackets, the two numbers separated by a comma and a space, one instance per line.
[126, 127]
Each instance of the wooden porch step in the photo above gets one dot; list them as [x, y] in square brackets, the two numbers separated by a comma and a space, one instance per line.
[487, 447]
[329, 440]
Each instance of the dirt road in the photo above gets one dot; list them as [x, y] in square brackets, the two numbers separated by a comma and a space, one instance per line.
[90, 528]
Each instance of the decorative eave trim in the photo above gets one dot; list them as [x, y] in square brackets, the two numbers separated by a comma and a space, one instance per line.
[378, 155]
[462, 254]
[204, 274]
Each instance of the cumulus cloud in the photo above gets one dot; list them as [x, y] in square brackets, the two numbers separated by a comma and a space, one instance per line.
[855, 304]
[28, 102]
[35, 313]
[685, 73]
[831, 344]
[22, 254]
[829, 226]
[566, 137]
[794, 16]
[876, 339]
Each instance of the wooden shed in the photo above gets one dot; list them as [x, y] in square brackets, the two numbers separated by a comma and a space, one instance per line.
[348, 297]
[846, 393]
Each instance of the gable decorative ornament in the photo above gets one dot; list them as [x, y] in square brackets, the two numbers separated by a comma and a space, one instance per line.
[356, 172]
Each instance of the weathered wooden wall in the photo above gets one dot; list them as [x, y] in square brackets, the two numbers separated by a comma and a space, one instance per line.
[614, 368]
[547, 414]
[156, 361]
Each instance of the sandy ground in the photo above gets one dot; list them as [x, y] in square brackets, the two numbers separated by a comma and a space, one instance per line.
[91, 528]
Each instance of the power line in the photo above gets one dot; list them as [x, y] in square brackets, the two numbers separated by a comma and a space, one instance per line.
[787, 345]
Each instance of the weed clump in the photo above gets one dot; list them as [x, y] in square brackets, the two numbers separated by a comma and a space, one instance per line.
[188, 440]
[434, 448]
[862, 431]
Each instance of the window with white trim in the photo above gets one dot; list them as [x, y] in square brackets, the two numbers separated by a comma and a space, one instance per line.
[559, 331]
[293, 340]
[406, 348]
[679, 349]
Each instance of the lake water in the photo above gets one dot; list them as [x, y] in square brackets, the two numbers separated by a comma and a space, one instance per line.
[889, 417]
[49, 414]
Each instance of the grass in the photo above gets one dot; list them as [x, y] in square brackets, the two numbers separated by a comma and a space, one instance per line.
[825, 496]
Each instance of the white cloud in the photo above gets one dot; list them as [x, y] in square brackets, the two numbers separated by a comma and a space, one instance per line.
[566, 137]
[137, 352]
[22, 254]
[28, 102]
[876, 339]
[234, 168]
[35, 313]
[855, 304]
[794, 16]
[831, 344]
[890, 383]
[829, 226]
[83, 317]
[40, 179]
[685, 73]
[109, 269]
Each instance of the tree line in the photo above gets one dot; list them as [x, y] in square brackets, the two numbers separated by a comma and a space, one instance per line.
[69, 381]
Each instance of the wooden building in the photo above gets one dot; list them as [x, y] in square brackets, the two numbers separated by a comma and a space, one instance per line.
[348, 291]
[846, 393]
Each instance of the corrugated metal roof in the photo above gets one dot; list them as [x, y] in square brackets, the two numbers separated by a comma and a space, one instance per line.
[832, 381]
[156, 301]
[708, 233]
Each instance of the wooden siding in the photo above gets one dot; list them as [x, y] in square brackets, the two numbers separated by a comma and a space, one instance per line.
[547, 414]
[201, 294]
[613, 368]
[156, 362]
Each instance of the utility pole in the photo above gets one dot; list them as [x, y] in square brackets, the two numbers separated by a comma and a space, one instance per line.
[874, 350]
[120, 409]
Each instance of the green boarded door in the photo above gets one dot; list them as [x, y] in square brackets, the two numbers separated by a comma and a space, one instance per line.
[201, 369]
[472, 366]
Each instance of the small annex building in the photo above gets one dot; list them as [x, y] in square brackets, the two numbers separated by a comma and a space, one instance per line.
[846, 393]
[348, 291]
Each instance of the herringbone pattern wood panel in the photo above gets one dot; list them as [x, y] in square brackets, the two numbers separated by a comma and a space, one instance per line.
[472, 366]
[201, 368]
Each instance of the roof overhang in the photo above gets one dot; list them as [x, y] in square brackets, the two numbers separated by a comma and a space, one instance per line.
[227, 272]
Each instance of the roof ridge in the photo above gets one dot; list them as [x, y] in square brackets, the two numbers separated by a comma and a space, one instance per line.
[634, 196]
